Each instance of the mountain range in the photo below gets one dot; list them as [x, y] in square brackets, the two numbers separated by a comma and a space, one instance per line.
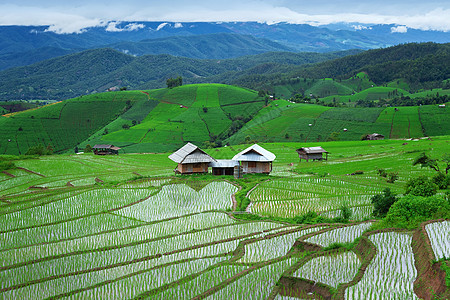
[99, 70]
[23, 45]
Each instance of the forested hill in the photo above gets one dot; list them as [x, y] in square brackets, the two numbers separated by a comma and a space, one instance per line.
[207, 46]
[422, 65]
[100, 69]
[19, 44]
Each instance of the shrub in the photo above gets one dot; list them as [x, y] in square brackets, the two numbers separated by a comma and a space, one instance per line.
[88, 149]
[346, 213]
[382, 172]
[410, 211]
[40, 150]
[421, 186]
[392, 177]
[383, 202]
[6, 165]
[440, 180]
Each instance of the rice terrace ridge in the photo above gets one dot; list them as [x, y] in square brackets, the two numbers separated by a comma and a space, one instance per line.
[295, 150]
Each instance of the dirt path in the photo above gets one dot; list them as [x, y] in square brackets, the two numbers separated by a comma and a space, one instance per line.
[164, 101]
[31, 172]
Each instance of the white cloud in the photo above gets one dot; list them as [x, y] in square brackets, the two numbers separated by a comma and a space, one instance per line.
[161, 26]
[112, 27]
[67, 17]
[399, 29]
[361, 27]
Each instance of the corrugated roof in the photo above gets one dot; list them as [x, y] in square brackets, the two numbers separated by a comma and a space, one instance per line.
[312, 150]
[102, 146]
[255, 153]
[115, 148]
[224, 163]
[190, 154]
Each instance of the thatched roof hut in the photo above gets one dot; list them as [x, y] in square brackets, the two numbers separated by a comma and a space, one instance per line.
[314, 153]
[255, 159]
[191, 159]
[105, 149]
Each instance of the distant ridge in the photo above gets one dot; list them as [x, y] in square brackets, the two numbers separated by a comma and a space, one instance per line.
[97, 70]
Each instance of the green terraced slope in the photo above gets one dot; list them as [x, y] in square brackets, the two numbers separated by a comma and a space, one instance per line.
[192, 113]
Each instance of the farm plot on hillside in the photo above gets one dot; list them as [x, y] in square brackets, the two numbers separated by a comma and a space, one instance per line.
[391, 273]
[85, 246]
[330, 269]
[435, 119]
[439, 235]
[291, 197]
[181, 200]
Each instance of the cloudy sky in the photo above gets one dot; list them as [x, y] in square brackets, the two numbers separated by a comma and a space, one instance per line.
[66, 16]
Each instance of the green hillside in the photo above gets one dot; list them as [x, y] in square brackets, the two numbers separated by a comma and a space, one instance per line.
[192, 113]
[64, 124]
[165, 119]
[408, 66]
[286, 121]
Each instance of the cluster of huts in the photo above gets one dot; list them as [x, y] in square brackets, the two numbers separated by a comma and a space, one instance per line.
[255, 159]
[192, 159]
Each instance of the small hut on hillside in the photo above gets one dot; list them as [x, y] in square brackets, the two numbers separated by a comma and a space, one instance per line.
[191, 159]
[374, 137]
[314, 153]
[223, 166]
[105, 149]
[255, 159]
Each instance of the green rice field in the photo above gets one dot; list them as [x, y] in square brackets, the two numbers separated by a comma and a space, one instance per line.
[80, 226]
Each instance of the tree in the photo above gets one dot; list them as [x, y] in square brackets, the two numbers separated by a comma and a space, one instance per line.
[410, 211]
[40, 150]
[126, 126]
[334, 136]
[88, 149]
[382, 202]
[441, 180]
[421, 186]
[49, 150]
[174, 82]
[426, 161]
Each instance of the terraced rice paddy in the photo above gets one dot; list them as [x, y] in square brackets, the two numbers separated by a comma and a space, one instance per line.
[291, 197]
[331, 270]
[167, 237]
[391, 273]
[439, 235]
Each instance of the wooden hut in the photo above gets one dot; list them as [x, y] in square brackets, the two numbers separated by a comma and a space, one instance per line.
[105, 149]
[255, 159]
[223, 166]
[374, 137]
[314, 153]
[191, 159]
